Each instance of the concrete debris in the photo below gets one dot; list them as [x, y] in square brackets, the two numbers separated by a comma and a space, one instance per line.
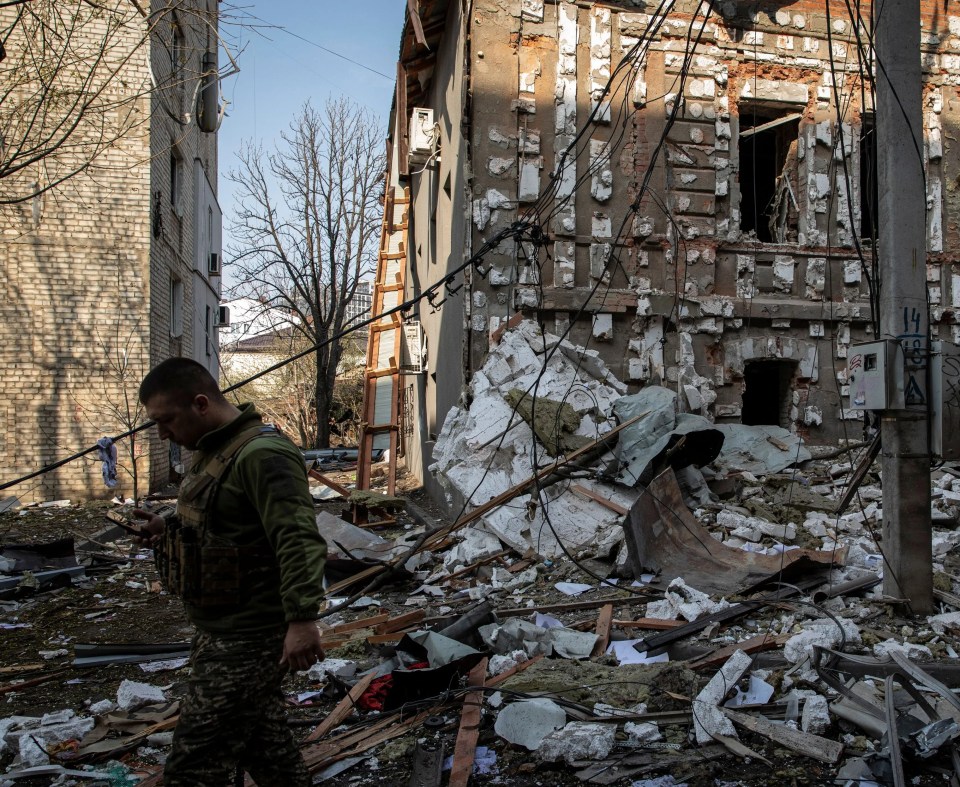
[578, 741]
[682, 601]
[132, 695]
[531, 639]
[528, 722]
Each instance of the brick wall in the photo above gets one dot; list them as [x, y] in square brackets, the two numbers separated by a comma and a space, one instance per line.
[86, 311]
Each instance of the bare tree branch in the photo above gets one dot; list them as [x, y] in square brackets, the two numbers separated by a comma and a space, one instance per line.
[307, 227]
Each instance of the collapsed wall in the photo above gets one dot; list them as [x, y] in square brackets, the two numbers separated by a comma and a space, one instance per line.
[486, 447]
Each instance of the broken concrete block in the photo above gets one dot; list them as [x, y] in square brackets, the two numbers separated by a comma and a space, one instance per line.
[131, 694]
[528, 722]
[680, 600]
[911, 650]
[640, 733]
[816, 715]
[32, 752]
[475, 545]
[823, 632]
[340, 668]
[708, 719]
[578, 741]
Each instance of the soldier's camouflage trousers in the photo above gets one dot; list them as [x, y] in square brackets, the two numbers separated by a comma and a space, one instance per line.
[234, 714]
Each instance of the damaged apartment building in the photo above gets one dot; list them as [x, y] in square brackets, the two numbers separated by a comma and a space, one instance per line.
[694, 187]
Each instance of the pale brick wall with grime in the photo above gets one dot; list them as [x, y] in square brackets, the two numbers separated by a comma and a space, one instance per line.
[87, 270]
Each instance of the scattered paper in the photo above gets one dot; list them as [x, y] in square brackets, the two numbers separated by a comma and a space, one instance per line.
[627, 654]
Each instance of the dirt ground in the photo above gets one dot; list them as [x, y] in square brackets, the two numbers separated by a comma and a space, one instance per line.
[120, 601]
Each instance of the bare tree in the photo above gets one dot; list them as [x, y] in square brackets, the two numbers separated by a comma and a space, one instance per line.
[73, 78]
[307, 228]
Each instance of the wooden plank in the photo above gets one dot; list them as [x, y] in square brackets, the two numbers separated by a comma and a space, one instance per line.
[822, 749]
[657, 624]
[26, 684]
[466, 746]
[343, 708]
[604, 620]
[574, 606]
[362, 623]
[382, 639]
[598, 498]
[752, 645]
[318, 476]
[400, 622]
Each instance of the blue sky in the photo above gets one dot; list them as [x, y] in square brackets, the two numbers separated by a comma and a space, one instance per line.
[283, 64]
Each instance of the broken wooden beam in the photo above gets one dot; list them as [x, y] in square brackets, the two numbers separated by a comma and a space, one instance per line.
[604, 621]
[814, 746]
[343, 708]
[466, 746]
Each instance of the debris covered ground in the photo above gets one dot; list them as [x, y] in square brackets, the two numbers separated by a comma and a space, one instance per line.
[633, 596]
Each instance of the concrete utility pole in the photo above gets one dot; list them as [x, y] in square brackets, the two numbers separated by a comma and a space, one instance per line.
[905, 461]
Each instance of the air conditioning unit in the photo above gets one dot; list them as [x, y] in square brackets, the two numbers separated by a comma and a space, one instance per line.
[213, 264]
[223, 317]
[422, 135]
[414, 352]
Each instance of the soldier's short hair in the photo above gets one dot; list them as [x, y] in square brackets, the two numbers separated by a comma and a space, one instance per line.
[181, 379]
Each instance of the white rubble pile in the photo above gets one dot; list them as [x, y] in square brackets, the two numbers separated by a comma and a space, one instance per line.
[487, 449]
[682, 601]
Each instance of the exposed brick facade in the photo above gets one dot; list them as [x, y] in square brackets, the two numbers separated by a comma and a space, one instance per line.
[86, 269]
[709, 296]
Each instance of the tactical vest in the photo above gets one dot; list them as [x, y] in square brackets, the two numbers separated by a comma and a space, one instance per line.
[203, 574]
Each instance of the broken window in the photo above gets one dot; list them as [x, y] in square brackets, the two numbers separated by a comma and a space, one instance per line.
[869, 195]
[768, 174]
[768, 393]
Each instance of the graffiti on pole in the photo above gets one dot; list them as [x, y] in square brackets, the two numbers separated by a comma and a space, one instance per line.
[913, 341]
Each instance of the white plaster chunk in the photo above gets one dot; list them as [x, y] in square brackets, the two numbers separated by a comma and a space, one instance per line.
[782, 16]
[817, 329]
[934, 214]
[601, 186]
[601, 227]
[603, 327]
[681, 600]
[564, 264]
[131, 694]
[731, 519]
[785, 43]
[911, 650]
[481, 213]
[599, 256]
[799, 21]
[565, 221]
[578, 741]
[774, 90]
[527, 722]
[529, 187]
[475, 545]
[642, 733]
[499, 166]
[812, 416]
[478, 323]
[531, 10]
[567, 178]
[815, 718]
[852, 272]
[497, 137]
[707, 717]
[816, 276]
[529, 142]
[783, 268]
[823, 632]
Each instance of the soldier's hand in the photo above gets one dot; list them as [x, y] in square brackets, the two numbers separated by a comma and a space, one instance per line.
[151, 531]
[301, 646]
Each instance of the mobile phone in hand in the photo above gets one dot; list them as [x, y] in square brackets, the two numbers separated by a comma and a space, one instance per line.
[116, 518]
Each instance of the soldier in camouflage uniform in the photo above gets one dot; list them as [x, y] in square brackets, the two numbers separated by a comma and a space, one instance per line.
[245, 554]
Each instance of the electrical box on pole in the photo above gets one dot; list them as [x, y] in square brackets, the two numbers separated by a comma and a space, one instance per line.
[875, 374]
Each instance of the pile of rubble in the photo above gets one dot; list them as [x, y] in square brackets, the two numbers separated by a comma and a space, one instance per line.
[630, 595]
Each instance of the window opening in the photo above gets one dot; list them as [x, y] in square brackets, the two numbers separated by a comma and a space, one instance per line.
[768, 393]
[869, 194]
[174, 179]
[768, 174]
[176, 307]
